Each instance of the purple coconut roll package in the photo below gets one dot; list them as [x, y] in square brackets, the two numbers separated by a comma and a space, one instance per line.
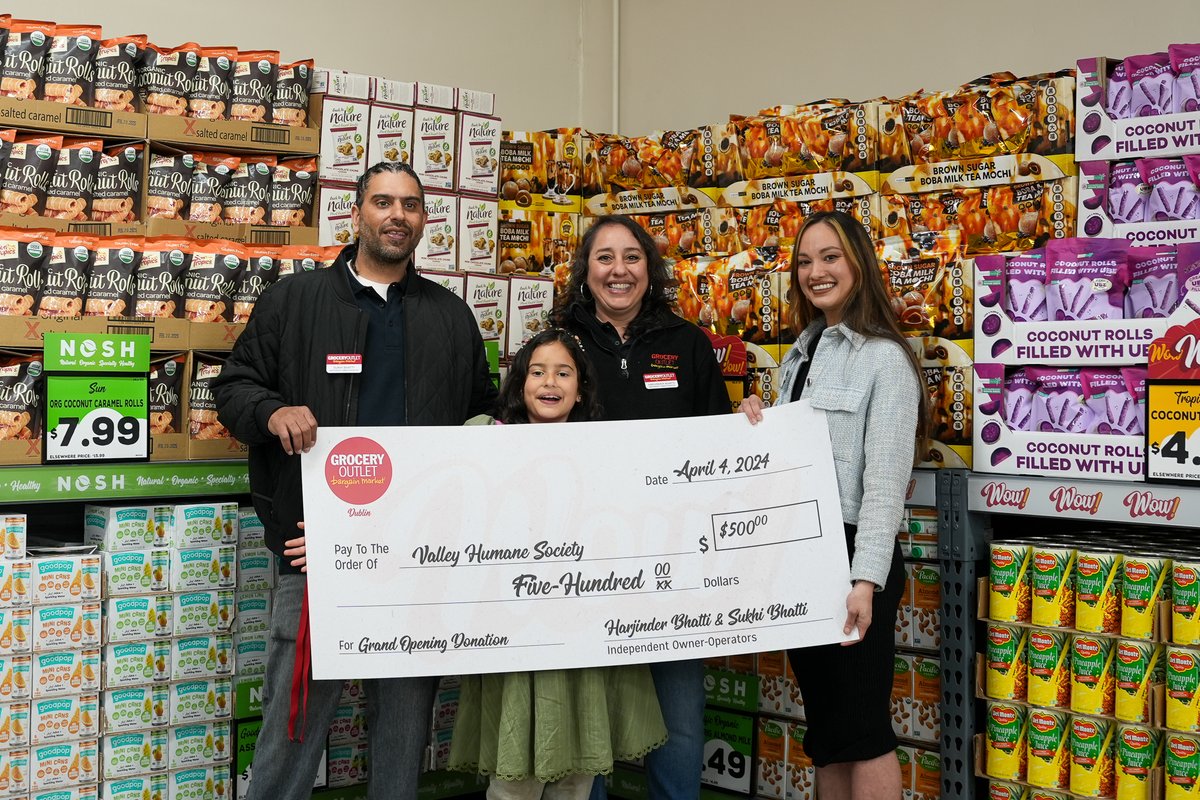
[1088, 278]
[1135, 384]
[1059, 403]
[1187, 268]
[1153, 84]
[1173, 195]
[1025, 278]
[1119, 92]
[1126, 193]
[1019, 390]
[1108, 397]
[1185, 64]
[1153, 283]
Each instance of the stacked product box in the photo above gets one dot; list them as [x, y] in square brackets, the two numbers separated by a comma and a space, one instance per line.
[451, 139]
[16, 648]
[57, 677]
[168, 655]
[256, 576]
[1090, 670]
[1063, 335]
[1138, 146]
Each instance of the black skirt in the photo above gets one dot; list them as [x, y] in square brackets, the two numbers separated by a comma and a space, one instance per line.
[847, 689]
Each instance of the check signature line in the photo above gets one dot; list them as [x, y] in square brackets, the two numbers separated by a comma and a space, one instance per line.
[685, 481]
[521, 599]
[717, 630]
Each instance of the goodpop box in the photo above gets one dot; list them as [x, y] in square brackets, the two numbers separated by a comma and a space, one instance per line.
[134, 708]
[57, 719]
[201, 700]
[204, 568]
[14, 725]
[136, 663]
[251, 532]
[349, 724]
[67, 626]
[251, 652]
[14, 773]
[16, 635]
[133, 753]
[15, 580]
[13, 535]
[132, 619]
[347, 764]
[255, 569]
[201, 657]
[66, 672]
[138, 787]
[205, 525]
[55, 765]
[16, 678]
[199, 783]
[202, 612]
[253, 612]
[136, 572]
[73, 793]
[113, 529]
[198, 745]
[66, 579]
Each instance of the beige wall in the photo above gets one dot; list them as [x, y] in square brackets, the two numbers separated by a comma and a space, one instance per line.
[400, 39]
[682, 62]
[692, 62]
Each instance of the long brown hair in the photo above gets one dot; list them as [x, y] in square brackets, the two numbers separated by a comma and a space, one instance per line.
[868, 308]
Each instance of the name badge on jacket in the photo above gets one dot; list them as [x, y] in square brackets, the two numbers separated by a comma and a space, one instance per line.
[661, 380]
[340, 363]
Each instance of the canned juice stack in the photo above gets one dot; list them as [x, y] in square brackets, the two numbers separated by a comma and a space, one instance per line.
[168, 654]
[1092, 669]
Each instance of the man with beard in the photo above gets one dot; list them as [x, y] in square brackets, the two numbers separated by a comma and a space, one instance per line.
[365, 342]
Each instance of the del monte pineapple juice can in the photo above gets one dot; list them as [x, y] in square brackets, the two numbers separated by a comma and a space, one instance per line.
[1138, 665]
[1144, 583]
[1004, 790]
[1008, 582]
[1093, 752]
[1185, 600]
[1053, 585]
[1006, 673]
[1183, 681]
[1049, 751]
[1049, 667]
[1139, 752]
[1092, 683]
[1098, 591]
[1005, 741]
[1181, 755]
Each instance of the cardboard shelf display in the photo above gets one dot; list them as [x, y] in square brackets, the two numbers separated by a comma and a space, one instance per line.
[1102, 138]
[40, 115]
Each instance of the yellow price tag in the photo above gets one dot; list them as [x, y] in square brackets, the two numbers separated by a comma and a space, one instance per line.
[1173, 432]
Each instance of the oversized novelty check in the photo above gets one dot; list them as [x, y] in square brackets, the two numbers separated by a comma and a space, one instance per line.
[440, 551]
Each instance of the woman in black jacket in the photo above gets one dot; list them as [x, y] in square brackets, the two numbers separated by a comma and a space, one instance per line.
[650, 364]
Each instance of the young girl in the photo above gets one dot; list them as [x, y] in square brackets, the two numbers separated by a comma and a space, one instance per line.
[549, 733]
[851, 361]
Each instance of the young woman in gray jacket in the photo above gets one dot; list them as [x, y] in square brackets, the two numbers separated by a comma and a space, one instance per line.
[851, 361]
